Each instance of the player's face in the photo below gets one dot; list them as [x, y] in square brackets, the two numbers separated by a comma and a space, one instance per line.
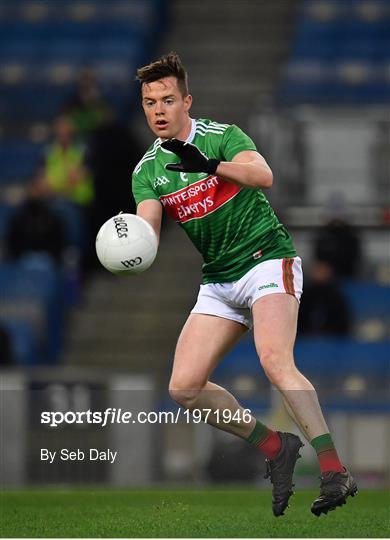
[165, 108]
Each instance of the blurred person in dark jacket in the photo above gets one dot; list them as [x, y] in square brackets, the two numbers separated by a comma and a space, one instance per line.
[337, 242]
[113, 151]
[6, 355]
[87, 107]
[35, 228]
[324, 309]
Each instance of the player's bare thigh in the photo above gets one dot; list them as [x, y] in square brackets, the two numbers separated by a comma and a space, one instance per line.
[203, 342]
[275, 326]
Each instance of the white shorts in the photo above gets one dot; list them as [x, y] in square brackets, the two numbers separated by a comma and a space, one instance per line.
[234, 300]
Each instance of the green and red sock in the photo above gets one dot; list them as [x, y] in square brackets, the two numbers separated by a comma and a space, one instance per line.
[327, 454]
[266, 440]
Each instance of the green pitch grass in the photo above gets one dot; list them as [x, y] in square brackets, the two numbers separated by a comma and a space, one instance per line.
[172, 513]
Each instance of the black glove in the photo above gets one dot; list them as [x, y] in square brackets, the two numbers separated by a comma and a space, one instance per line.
[192, 159]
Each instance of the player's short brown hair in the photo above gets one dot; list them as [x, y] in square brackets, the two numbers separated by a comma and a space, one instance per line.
[168, 65]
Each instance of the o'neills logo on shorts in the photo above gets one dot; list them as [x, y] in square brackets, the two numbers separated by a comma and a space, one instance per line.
[198, 199]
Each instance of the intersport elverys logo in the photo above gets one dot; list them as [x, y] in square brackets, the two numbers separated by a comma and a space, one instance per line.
[198, 199]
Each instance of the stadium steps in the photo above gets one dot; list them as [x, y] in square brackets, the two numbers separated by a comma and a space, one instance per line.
[135, 322]
[233, 52]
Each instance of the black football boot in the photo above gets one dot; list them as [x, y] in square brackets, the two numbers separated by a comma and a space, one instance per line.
[334, 489]
[281, 470]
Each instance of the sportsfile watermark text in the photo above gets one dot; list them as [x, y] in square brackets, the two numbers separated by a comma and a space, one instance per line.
[119, 416]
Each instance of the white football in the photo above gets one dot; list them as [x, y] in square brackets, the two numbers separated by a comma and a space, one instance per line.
[126, 244]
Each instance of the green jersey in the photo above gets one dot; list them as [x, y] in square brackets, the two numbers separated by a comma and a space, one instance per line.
[233, 227]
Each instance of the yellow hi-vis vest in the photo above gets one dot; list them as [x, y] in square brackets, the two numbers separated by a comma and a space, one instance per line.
[59, 163]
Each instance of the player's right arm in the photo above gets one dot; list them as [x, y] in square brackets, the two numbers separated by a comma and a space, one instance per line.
[151, 211]
[148, 203]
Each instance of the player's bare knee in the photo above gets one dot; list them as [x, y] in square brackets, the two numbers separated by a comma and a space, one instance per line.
[186, 397]
[276, 364]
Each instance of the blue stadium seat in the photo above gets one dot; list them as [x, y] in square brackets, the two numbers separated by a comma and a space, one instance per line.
[24, 341]
[32, 101]
[356, 48]
[7, 211]
[73, 220]
[117, 49]
[368, 300]
[71, 49]
[19, 160]
[16, 50]
[318, 50]
[35, 279]
[343, 34]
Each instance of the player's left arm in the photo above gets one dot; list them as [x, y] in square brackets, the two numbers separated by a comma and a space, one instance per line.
[248, 168]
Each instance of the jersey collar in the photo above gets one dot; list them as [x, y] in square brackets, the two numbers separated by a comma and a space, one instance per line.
[191, 136]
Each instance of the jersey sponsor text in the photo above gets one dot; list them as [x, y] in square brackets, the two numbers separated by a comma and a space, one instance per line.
[198, 199]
